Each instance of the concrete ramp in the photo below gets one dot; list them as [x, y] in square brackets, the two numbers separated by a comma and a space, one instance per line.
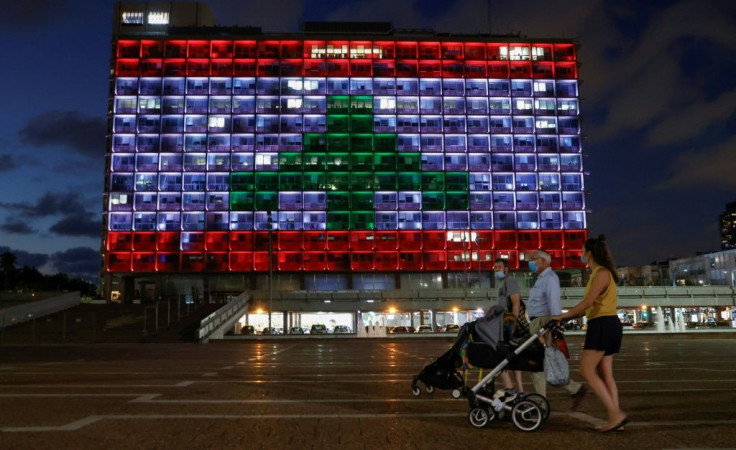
[219, 322]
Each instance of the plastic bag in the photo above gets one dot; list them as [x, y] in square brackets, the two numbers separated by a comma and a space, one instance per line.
[556, 369]
[558, 340]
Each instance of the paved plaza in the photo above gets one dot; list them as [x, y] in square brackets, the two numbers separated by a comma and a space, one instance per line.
[679, 389]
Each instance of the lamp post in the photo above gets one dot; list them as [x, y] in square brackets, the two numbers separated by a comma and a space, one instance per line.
[270, 268]
[466, 239]
[477, 242]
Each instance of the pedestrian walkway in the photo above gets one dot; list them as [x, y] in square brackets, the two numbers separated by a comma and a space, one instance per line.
[340, 394]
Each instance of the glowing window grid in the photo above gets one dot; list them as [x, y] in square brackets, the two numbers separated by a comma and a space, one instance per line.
[361, 155]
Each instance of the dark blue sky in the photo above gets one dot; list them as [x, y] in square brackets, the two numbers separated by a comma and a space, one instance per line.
[658, 98]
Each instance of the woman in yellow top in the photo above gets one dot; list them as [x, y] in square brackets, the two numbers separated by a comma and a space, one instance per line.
[604, 332]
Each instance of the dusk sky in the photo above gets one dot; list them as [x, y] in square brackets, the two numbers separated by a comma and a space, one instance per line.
[658, 100]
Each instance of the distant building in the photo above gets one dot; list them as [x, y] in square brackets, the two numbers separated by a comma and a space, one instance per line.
[728, 227]
[717, 268]
[655, 274]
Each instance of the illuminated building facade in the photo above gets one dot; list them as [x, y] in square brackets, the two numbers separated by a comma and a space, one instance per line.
[365, 149]
[728, 227]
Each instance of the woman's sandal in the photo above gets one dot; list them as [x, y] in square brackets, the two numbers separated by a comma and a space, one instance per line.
[617, 427]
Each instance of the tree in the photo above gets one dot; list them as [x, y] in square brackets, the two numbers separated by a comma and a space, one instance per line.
[29, 277]
[7, 262]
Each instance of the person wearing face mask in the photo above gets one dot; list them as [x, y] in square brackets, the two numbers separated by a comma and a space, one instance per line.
[509, 297]
[604, 333]
[543, 303]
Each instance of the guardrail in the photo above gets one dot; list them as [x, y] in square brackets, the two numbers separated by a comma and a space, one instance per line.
[629, 296]
[214, 325]
[566, 292]
[28, 311]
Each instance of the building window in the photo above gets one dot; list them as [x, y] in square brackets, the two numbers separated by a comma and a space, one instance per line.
[158, 18]
[132, 18]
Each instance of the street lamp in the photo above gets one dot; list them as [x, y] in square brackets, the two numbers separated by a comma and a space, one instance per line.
[466, 238]
[270, 268]
[477, 242]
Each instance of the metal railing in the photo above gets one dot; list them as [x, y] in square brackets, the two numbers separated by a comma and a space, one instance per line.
[472, 298]
[215, 325]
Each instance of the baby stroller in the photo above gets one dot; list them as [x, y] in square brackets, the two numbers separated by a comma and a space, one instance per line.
[527, 411]
[481, 344]
[444, 372]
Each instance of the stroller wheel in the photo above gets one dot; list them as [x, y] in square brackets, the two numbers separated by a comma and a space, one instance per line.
[416, 391]
[526, 415]
[429, 389]
[480, 417]
[541, 402]
[456, 393]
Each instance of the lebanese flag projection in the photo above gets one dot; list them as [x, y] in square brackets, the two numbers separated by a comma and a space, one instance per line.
[372, 156]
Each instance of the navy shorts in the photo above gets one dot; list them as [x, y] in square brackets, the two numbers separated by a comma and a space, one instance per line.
[604, 334]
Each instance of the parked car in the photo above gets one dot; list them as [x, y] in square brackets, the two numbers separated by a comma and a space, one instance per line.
[425, 329]
[452, 328]
[318, 328]
[341, 329]
[271, 331]
[248, 329]
[399, 330]
[296, 330]
[712, 322]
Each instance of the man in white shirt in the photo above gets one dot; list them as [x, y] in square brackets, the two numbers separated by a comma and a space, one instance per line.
[544, 302]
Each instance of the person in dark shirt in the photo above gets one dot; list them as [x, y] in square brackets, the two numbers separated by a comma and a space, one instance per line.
[509, 297]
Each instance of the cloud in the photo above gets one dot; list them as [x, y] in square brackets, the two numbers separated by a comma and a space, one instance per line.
[16, 227]
[6, 163]
[50, 204]
[23, 258]
[702, 19]
[709, 167]
[78, 262]
[83, 135]
[77, 225]
[644, 100]
[691, 121]
[642, 73]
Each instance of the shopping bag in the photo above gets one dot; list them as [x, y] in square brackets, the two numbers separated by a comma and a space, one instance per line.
[561, 345]
[556, 369]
